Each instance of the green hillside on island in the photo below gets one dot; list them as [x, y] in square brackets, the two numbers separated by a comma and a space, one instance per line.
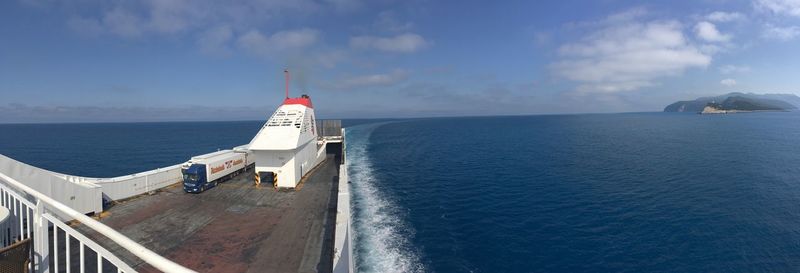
[738, 102]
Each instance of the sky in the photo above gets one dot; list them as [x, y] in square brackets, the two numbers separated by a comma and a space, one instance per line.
[183, 60]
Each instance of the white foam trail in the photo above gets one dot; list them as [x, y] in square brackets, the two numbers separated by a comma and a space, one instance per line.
[381, 237]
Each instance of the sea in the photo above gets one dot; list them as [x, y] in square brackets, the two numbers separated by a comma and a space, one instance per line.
[632, 192]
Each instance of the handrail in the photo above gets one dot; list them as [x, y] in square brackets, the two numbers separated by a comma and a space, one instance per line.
[140, 251]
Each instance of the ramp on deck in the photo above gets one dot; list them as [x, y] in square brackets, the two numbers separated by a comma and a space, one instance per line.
[236, 227]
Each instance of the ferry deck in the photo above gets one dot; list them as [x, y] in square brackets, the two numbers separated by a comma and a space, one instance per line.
[235, 227]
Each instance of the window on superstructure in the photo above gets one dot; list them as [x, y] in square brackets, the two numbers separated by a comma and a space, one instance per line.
[297, 122]
[305, 124]
[286, 119]
[276, 118]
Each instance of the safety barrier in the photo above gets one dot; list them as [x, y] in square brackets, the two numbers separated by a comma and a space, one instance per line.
[36, 215]
[78, 194]
[135, 184]
[85, 194]
[343, 240]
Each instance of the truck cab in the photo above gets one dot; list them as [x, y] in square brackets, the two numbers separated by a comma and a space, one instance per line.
[194, 178]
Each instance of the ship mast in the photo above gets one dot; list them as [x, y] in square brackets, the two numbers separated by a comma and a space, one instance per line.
[286, 72]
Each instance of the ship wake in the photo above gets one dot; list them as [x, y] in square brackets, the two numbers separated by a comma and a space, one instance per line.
[381, 236]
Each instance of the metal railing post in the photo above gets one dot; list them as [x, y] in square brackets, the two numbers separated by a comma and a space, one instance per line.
[41, 240]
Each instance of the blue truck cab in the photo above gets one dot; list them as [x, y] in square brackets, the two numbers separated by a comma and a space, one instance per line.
[194, 178]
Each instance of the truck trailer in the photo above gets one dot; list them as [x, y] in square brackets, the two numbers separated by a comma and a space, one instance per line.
[206, 171]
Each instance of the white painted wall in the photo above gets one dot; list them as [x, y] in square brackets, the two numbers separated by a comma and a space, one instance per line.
[122, 187]
[75, 192]
[291, 165]
[278, 162]
[306, 160]
[85, 194]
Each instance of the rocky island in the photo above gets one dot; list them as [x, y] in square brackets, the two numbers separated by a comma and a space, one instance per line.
[737, 103]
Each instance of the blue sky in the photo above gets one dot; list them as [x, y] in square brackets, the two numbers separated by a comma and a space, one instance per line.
[87, 60]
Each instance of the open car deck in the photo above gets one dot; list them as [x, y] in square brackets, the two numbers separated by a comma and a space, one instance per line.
[235, 227]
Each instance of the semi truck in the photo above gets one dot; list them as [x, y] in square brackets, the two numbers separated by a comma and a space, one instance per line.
[207, 171]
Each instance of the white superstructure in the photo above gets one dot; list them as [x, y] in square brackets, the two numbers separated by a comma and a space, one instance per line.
[286, 149]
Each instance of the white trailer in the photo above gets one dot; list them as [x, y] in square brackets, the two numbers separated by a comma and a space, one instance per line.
[206, 171]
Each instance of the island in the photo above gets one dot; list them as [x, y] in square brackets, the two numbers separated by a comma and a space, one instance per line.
[737, 103]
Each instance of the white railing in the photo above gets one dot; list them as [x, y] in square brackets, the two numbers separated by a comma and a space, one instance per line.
[36, 215]
[19, 222]
[19, 219]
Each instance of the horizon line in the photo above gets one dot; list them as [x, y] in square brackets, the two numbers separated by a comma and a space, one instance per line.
[377, 119]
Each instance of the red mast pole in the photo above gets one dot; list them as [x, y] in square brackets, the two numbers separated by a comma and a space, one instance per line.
[286, 71]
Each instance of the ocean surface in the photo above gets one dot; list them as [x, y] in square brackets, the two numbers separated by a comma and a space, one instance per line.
[650, 192]
[115, 149]
[639, 192]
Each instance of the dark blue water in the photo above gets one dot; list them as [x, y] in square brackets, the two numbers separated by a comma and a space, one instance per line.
[115, 149]
[651, 192]
[654, 192]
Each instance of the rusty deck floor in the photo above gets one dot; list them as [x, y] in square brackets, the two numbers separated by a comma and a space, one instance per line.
[235, 227]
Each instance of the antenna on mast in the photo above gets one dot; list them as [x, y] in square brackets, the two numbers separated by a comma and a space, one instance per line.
[286, 72]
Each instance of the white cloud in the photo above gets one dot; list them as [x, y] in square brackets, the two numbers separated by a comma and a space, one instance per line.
[139, 18]
[16, 113]
[786, 7]
[123, 23]
[728, 82]
[733, 69]
[170, 16]
[708, 32]
[372, 80]
[542, 39]
[628, 55]
[215, 41]
[294, 38]
[377, 79]
[710, 49]
[132, 21]
[387, 21]
[85, 26]
[257, 43]
[721, 16]
[328, 58]
[403, 43]
[626, 16]
[781, 33]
